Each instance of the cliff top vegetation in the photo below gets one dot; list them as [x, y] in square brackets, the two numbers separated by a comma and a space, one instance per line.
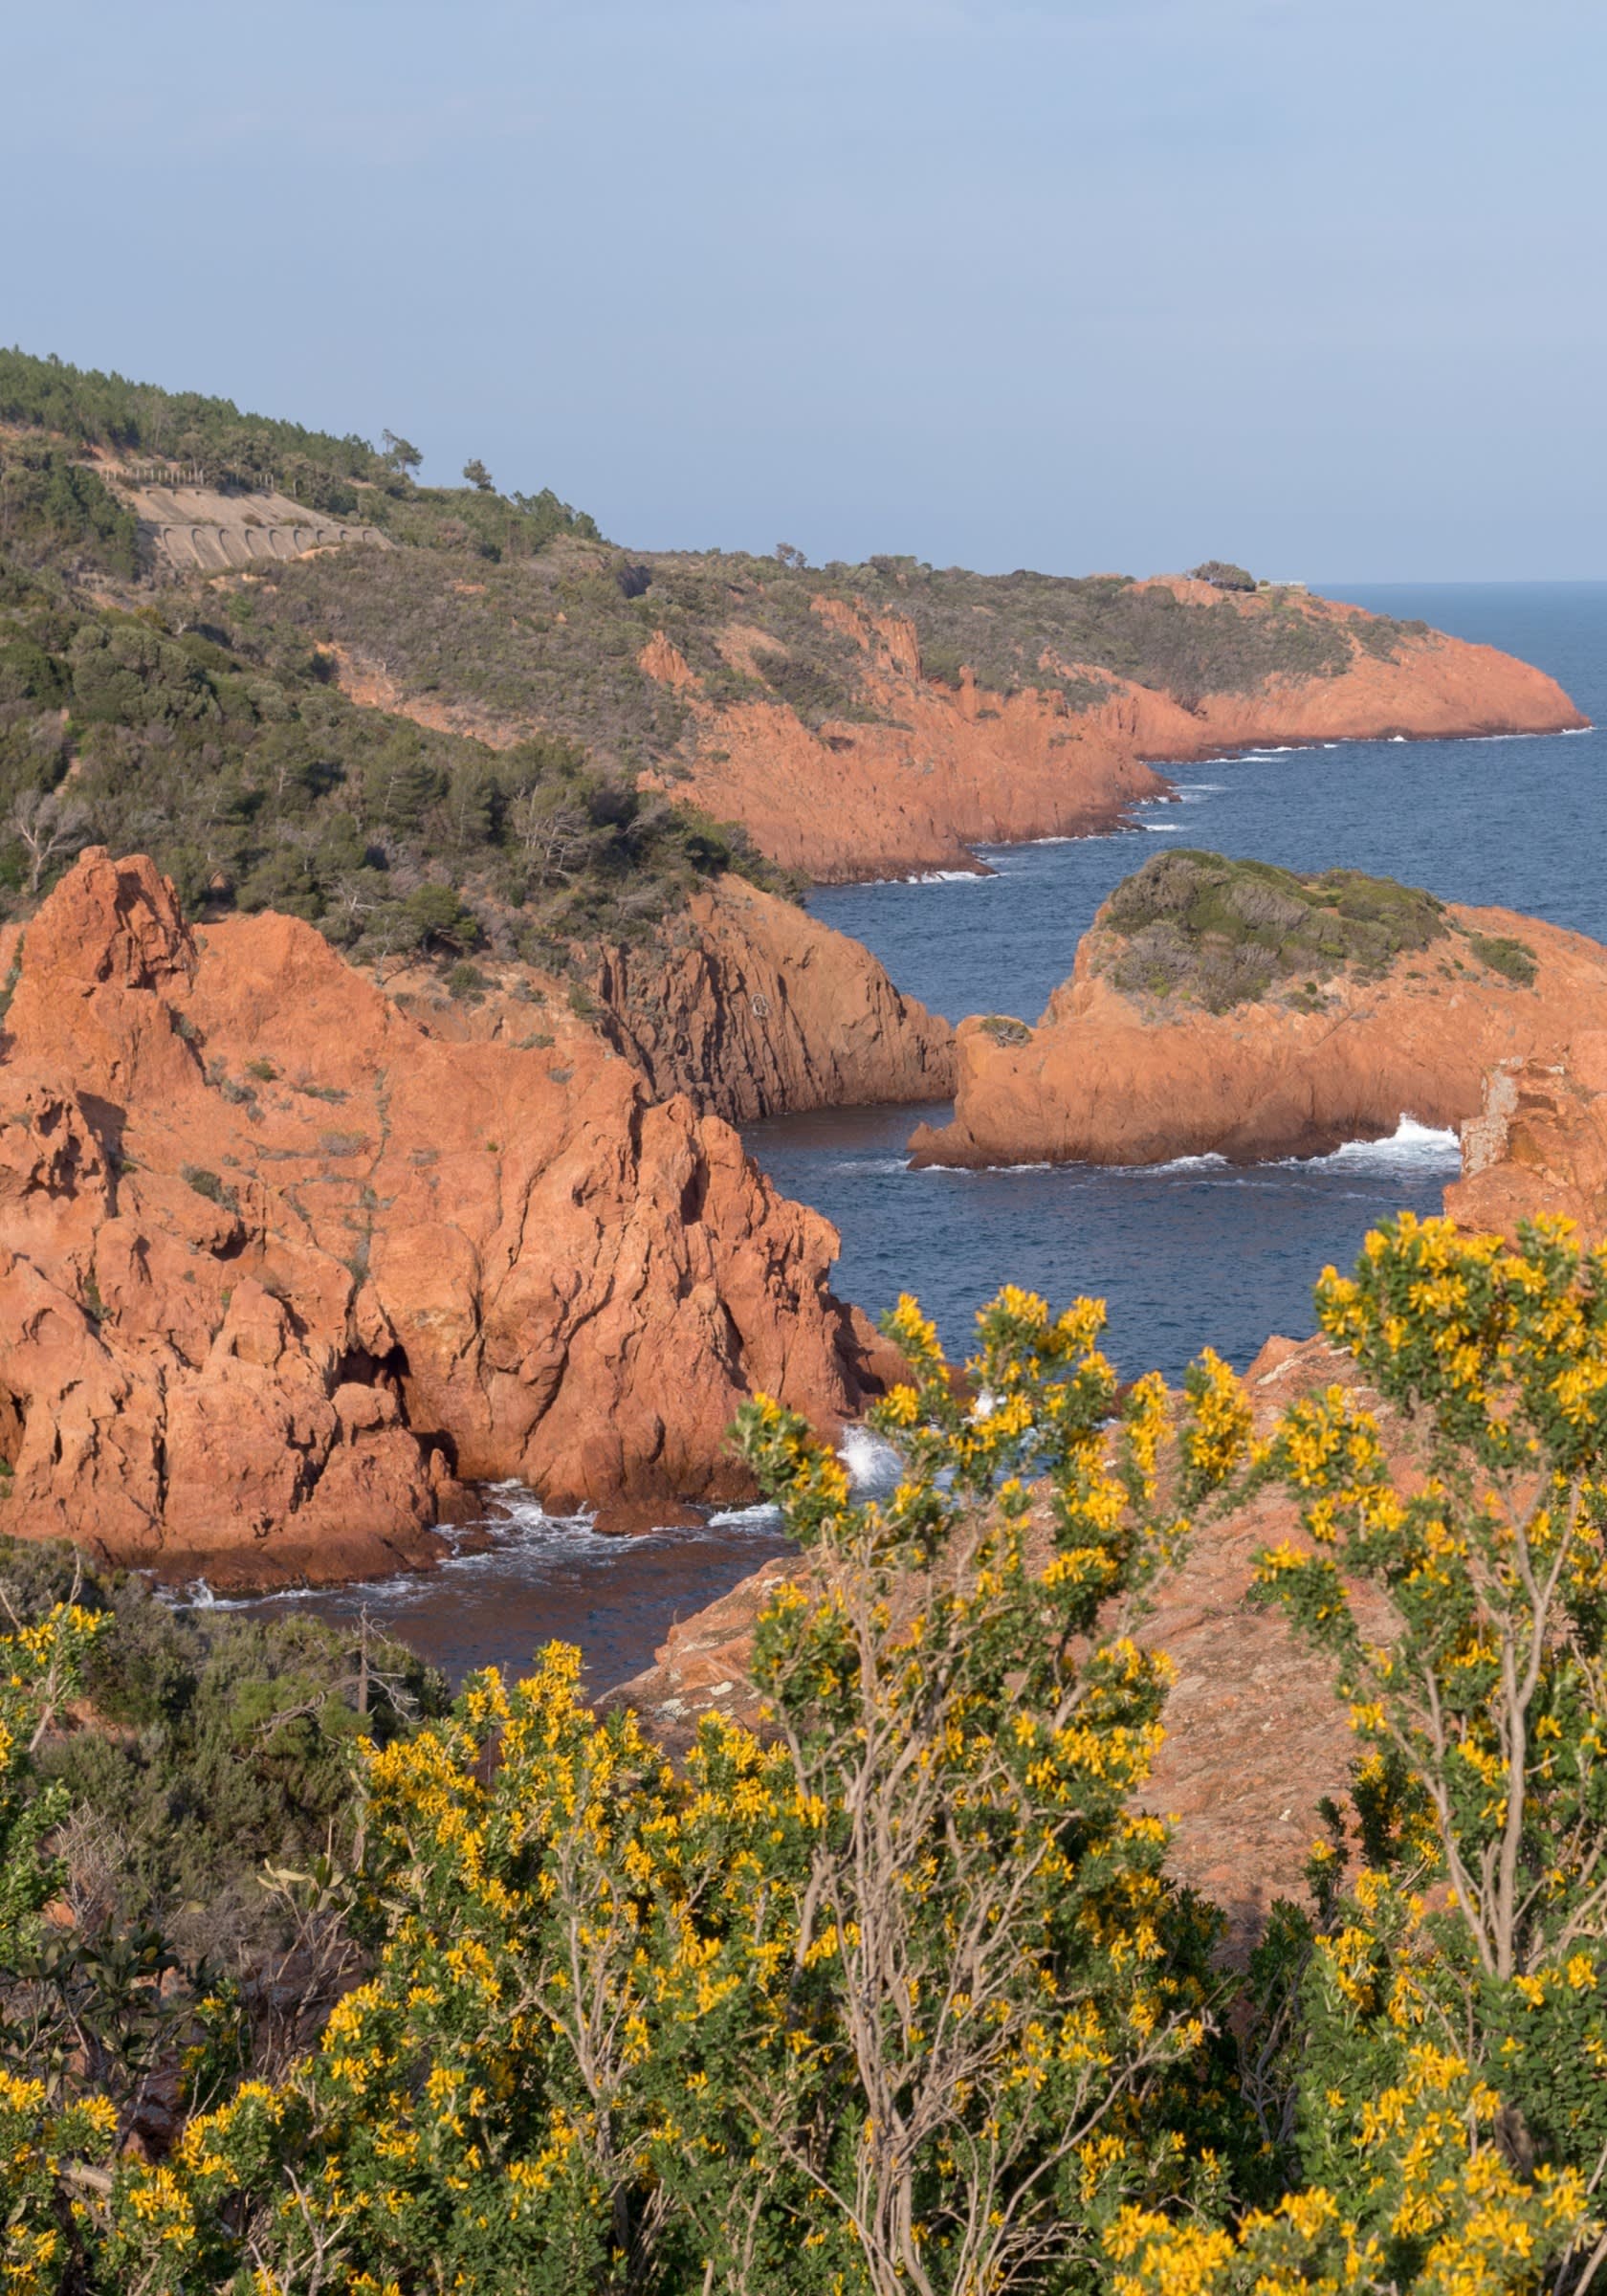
[558, 636]
[1197, 928]
[180, 720]
[513, 612]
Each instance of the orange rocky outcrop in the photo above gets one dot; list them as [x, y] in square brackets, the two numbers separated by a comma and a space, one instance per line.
[1539, 1145]
[937, 771]
[276, 1266]
[864, 799]
[743, 1001]
[1112, 1078]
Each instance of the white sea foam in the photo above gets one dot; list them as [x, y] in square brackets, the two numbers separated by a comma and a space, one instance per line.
[1161, 828]
[759, 1518]
[930, 876]
[874, 1465]
[1410, 1147]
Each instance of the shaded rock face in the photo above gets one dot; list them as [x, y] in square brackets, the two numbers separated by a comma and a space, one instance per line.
[960, 767]
[1114, 1076]
[277, 1268]
[757, 1009]
[1539, 1144]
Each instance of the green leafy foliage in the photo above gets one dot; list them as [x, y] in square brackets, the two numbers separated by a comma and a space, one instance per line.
[53, 510]
[224, 751]
[89, 408]
[1223, 575]
[1513, 959]
[218, 1742]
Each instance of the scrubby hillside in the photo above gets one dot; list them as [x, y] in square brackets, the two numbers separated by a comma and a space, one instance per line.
[137, 709]
[546, 725]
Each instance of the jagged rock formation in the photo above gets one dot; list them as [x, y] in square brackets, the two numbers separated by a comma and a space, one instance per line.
[755, 1009]
[276, 1266]
[1180, 1038]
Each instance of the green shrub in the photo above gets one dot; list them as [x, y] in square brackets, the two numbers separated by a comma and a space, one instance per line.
[1513, 959]
[466, 980]
[1222, 575]
[208, 1185]
[1209, 931]
[1005, 1030]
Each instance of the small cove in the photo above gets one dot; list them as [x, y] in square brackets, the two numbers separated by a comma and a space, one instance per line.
[1184, 1254]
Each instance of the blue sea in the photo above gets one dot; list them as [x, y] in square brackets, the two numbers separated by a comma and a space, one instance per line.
[1200, 1252]
[1186, 1255]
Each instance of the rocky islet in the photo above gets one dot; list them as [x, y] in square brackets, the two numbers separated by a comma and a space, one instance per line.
[1237, 1010]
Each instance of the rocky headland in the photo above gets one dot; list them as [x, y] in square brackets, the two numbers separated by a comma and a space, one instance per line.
[1233, 1008]
[925, 769]
[279, 1269]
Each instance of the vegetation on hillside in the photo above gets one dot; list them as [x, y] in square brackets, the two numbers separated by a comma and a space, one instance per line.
[182, 722]
[901, 1996]
[1204, 930]
[231, 450]
[202, 718]
[1222, 574]
[560, 635]
[191, 1762]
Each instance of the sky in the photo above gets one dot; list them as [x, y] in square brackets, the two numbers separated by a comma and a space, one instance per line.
[1316, 285]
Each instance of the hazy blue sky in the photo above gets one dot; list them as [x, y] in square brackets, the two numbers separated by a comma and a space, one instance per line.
[1317, 284]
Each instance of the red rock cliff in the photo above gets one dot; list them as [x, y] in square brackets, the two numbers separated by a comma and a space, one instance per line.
[756, 1008]
[1539, 1144]
[274, 1263]
[944, 770]
[1106, 1078]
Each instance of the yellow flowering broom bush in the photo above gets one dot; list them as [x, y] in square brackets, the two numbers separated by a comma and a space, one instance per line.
[896, 1997]
[1006, 2005]
[50, 2141]
[1451, 2086]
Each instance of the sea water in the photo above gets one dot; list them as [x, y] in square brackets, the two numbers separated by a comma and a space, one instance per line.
[1196, 1251]
[1187, 1253]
